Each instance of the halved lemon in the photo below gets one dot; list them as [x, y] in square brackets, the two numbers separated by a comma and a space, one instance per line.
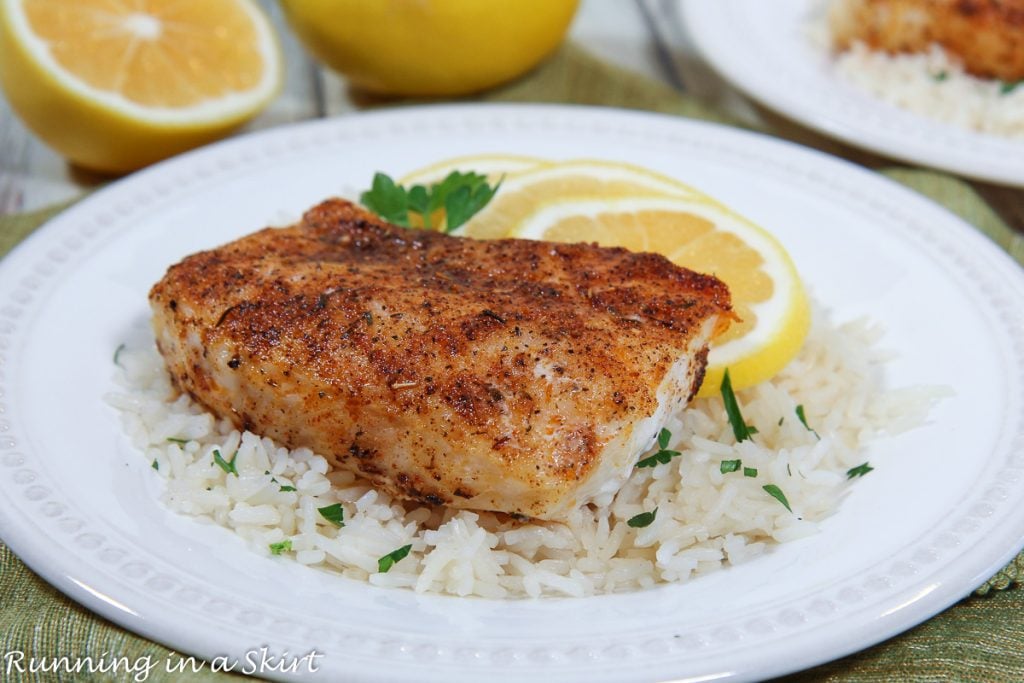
[114, 84]
[705, 236]
[522, 193]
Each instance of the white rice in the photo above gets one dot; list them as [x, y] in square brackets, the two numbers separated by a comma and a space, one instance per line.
[932, 84]
[705, 519]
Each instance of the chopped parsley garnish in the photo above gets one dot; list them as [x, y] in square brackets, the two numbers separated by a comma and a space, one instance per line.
[285, 489]
[174, 439]
[461, 195]
[740, 429]
[335, 514]
[278, 548]
[803, 419]
[643, 519]
[227, 465]
[663, 454]
[1007, 87]
[776, 493]
[749, 471]
[858, 471]
[117, 355]
[728, 466]
[155, 465]
[781, 420]
[941, 76]
[391, 559]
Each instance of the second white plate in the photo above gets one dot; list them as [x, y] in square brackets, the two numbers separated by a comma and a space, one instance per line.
[763, 48]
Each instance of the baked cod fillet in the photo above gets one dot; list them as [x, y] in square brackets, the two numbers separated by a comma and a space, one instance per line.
[510, 375]
[986, 35]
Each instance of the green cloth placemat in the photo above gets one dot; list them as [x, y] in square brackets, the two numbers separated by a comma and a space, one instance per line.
[979, 639]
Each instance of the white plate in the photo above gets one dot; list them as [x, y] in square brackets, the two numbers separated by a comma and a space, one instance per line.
[763, 49]
[943, 510]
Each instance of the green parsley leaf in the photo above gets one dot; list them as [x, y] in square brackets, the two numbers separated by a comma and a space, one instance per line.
[858, 471]
[776, 493]
[387, 199]
[781, 420]
[466, 199]
[1007, 87]
[740, 429]
[659, 458]
[335, 514]
[941, 76]
[155, 465]
[227, 465]
[728, 466]
[278, 548]
[803, 419]
[117, 355]
[385, 563]
[419, 201]
[285, 489]
[749, 471]
[176, 440]
[664, 437]
[460, 194]
[643, 519]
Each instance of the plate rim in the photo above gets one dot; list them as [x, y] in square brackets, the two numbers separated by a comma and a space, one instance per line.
[36, 558]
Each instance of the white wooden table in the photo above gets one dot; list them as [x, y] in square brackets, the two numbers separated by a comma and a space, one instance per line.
[645, 36]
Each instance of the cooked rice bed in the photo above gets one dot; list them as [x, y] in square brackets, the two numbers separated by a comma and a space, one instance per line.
[705, 519]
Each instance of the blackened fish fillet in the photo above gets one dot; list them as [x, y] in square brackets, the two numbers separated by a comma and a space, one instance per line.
[510, 375]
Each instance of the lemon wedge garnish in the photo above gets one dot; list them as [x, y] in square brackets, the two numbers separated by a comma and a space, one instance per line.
[523, 192]
[117, 85]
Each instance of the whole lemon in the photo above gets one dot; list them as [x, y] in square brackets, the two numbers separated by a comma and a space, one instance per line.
[430, 47]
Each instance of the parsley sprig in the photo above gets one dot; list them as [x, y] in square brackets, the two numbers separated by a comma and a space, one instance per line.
[460, 194]
[335, 514]
[385, 563]
[663, 454]
[803, 419]
[227, 465]
[776, 493]
[281, 547]
[858, 471]
[740, 428]
[642, 520]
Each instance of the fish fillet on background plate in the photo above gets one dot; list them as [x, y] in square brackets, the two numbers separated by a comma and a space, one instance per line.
[510, 375]
[987, 35]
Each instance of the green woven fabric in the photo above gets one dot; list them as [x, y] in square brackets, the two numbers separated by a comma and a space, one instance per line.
[979, 639]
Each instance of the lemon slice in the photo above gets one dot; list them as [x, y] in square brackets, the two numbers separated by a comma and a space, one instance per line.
[580, 179]
[705, 236]
[494, 166]
[117, 85]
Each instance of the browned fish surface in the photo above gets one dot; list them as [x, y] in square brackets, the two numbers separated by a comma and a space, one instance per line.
[987, 35]
[509, 375]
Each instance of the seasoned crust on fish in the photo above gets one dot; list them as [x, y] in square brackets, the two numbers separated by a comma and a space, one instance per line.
[510, 375]
[987, 35]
